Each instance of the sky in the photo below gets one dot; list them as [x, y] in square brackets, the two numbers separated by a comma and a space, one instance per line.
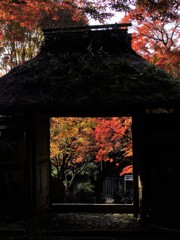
[116, 19]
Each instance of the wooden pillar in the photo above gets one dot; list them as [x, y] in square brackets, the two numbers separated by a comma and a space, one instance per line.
[42, 161]
[139, 167]
[36, 175]
[29, 165]
[162, 154]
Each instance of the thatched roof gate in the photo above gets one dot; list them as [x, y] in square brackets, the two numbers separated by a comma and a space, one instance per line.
[90, 70]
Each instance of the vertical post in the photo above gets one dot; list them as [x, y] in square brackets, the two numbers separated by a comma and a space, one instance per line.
[29, 175]
[138, 161]
[135, 129]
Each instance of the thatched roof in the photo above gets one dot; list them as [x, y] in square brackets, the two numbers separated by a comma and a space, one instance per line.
[80, 70]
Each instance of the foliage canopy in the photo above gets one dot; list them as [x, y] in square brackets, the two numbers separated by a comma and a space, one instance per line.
[79, 145]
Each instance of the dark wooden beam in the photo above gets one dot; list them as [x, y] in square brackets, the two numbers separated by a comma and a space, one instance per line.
[115, 26]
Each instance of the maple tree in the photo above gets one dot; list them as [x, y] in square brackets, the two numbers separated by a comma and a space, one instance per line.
[21, 22]
[71, 150]
[18, 45]
[127, 170]
[114, 148]
[28, 13]
[21, 35]
[112, 136]
[88, 149]
[156, 38]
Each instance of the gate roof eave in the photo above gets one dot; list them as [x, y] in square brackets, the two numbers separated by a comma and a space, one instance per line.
[80, 79]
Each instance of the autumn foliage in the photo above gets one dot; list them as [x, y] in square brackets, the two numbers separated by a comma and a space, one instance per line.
[21, 23]
[29, 13]
[113, 138]
[81, 147]
[156, 37]
[75, 140]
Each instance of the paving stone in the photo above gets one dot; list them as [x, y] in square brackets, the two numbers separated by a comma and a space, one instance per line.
[94, 223]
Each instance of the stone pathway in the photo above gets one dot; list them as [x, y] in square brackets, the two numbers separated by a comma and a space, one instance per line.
[94, 221]
[103, 226]
[90, 226]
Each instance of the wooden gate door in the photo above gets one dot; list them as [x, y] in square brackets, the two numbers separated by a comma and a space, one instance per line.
[42, 163]
[11, 166]
[161, 164]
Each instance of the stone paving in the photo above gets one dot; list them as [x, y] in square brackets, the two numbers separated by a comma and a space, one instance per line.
[90, 226]
[94, 221]
[107, 226]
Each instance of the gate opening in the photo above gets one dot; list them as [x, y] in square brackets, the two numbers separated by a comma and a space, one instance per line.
[91, 160]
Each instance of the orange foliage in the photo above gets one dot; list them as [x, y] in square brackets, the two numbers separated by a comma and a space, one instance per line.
[77, 145]
[156, 40]
[97, 138]
[127, 170]
[113, 137]
[21, 23]
[29, 13]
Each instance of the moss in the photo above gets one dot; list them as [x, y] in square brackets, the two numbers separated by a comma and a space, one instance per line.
[83, 79]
